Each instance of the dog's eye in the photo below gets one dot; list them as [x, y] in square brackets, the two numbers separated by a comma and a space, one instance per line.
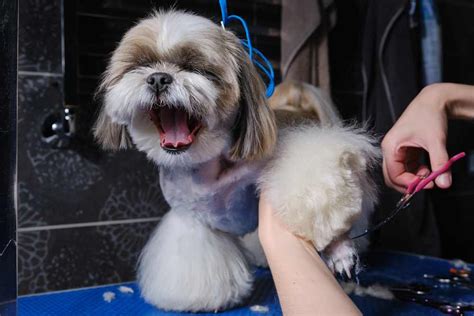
[189, 68]
[144, 63]
[209, 75]
[206, 73]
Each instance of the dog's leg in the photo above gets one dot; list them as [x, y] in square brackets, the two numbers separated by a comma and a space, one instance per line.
[186, 266]
[341, 255]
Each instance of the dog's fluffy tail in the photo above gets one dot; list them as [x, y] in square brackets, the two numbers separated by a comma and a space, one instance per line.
[306, 99]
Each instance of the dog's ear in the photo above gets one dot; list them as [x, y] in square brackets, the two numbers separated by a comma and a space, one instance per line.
[255, 129]
[110, 135]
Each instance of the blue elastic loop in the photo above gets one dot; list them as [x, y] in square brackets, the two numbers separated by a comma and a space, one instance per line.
[223, 5]
[268, 70]
[247, 33]
[247, 43]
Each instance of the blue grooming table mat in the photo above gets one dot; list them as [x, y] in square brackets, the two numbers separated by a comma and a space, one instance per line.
[391, 269]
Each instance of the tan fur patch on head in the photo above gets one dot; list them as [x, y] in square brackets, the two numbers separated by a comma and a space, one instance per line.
[136, 48]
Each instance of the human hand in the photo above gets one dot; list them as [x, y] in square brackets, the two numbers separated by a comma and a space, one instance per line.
[421, 128]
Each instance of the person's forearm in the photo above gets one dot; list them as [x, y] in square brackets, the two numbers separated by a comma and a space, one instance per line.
[458, 99]
[304, 284]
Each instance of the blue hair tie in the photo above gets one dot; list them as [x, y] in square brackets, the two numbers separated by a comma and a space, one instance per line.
[266, 67]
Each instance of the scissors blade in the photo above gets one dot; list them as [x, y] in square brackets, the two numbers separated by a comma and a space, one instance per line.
[401, 205]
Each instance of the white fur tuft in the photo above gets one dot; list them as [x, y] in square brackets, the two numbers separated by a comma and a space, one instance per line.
[375, 290]
[319, 180]
[186, 266]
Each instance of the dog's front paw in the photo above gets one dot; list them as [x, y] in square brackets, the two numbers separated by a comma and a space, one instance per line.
[341, 258]
[186, 266]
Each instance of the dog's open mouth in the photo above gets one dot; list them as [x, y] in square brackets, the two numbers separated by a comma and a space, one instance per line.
[177, 128]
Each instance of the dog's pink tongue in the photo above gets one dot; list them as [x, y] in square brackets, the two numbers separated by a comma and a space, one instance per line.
[176, 132]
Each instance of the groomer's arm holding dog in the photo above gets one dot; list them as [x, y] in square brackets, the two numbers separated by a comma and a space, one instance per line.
[304, 284]
[424, 127]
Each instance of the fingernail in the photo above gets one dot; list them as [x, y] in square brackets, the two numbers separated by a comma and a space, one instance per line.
[444, 180]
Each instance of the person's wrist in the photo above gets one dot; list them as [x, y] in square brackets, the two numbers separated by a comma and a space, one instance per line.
[460, 101]
[439, 96]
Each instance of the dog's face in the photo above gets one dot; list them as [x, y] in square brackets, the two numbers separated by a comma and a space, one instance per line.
[185, 91]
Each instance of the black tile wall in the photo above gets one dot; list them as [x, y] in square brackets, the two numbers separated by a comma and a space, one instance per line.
[40, 36]
[67, 258]
[8, 104]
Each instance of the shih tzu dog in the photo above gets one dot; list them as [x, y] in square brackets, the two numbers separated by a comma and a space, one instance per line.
[184, 91]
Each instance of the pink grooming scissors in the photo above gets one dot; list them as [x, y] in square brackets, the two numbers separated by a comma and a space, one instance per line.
[416, 186]
[421, 182]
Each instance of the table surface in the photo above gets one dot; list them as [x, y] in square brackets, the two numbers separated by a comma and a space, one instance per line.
[390, 269]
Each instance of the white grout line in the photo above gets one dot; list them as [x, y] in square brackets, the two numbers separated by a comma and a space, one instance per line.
[11, 241]
[34, 73]
[88, 224]
[7, 302]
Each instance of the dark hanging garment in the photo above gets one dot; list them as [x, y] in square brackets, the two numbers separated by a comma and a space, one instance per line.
[391, 73]
[390, 61]
[304, 40]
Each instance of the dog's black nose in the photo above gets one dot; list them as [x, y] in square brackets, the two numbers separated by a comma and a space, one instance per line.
[159, 81]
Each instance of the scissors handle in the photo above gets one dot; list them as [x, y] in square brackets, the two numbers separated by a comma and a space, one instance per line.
[419, 183]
